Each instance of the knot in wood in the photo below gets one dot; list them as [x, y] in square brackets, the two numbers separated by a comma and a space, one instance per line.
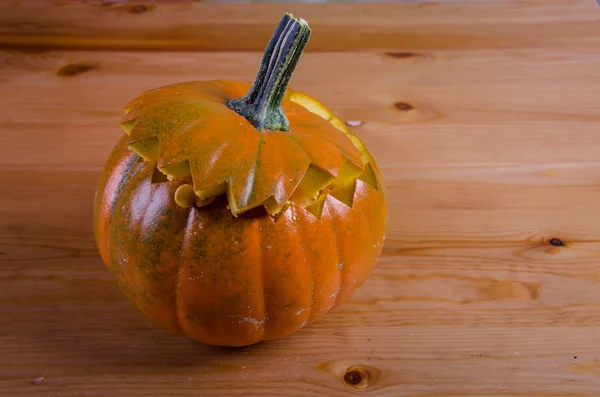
[403, 106]
[361, 376]
[353, 378]
[556, 242]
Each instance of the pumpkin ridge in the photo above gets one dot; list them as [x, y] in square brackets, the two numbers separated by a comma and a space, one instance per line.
[310, 308]
[280, 184]
[180, 263]
[338, 251]
[312, 160]
[163, 160]
[342, 266]
[123, 169]
[308, 134]
[249, 189]
[265, 321]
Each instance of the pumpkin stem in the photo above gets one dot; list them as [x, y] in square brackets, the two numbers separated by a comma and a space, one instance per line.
[262, 104]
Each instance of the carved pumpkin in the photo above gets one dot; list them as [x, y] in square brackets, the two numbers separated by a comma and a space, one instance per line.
[237, 218]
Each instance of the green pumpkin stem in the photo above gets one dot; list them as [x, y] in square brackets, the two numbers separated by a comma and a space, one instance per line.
[262, 104]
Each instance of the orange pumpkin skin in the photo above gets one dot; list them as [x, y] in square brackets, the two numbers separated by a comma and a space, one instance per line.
[231, 281]
[237, 218]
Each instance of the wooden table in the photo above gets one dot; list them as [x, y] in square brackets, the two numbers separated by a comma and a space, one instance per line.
[485, 119]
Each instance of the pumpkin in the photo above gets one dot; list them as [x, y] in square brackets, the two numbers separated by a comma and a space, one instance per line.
[235, 213]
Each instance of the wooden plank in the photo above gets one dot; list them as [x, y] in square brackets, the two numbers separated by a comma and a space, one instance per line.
[493, 100]
[194, 26]
[425, 347]
[422, 342]
[486, 128]
[490, 100]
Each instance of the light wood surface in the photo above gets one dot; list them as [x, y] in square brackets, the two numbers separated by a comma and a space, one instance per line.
[484, 117]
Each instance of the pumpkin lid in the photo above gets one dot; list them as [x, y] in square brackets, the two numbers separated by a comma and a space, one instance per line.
[268, 147]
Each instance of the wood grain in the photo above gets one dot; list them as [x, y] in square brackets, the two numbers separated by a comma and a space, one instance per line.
[488, 284]
[188, 26]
